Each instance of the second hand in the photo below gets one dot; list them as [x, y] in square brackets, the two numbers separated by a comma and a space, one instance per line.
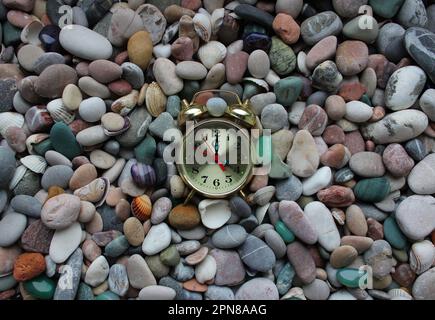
[216, 157]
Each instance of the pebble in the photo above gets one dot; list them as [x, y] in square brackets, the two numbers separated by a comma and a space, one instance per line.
[12, 227]
[251, 251]
[139, 274]
[230, 236]
[302, 261]
[157, 239]
[397, 161]
[65, 242]
[420, 179]
[230, 270]
[328, 22]
[68, 283]
[97, 272]
[367, 164]
[303, 148]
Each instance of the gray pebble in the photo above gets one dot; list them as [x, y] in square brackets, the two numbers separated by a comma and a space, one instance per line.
[289, 189]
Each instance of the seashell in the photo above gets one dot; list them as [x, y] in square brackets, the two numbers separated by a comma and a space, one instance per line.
[142, 94]
[170, 32]
[143, 175]
[10, 119]
[18, 175]
[59, 112]
[202, 25]
[30, 33]
[155, 99]
[339, 216]
[35, 139]
[214, 213]
[125, 104]
[421, 256]
[34, 163]
[294, 293]
[141, 207]
[126, 126]
[399, 294]
[212, 53]
[96, 191]
[257, 82]
[217, 19]
[260, 212]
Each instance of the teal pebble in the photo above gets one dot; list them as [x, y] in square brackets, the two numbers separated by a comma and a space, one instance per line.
[85, 292]
[107, 295]
[372, 190]
[145, 151]
[365, 98]
[11, 34]
[284, 232]
[64, 141]
[386, 9]
[173, 105]
[287, 90]
[393, 234]
[42, 147]
[285, 279]
[116, 247]
[349, 277]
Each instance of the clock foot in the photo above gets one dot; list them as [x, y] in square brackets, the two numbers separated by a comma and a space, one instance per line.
[189, 196]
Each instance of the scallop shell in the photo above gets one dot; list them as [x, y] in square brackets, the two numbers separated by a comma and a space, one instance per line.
[202, 25]
[35, 139]
[217, 19]
[421, 256]
[127, 124]
[141, 207]
[30, 33]
[214, 213]
[34, 163]
[96, 191]
[212, 53]
[59, 112]
[155, 99]
[10, 119]
[125, 104]
[399, 294]
[18, 175]
[143, 175]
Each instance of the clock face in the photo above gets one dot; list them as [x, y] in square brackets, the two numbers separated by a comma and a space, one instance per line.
[216, 158]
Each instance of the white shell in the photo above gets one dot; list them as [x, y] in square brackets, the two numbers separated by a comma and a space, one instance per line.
[217, 19]
[202, 25]
[260, 212]
[10, 119]
[34, 139]
[18, 175]
[421, 256]
[59, 112]
[399, 294]
[212, 53]
[30, 33]
[214, 213]
[34, 163]
[259, 82]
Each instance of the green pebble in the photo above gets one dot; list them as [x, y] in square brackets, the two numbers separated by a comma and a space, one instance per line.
[42, 147]
[11, 34]
[372, 190]
[304, 200]
[365, 98]
[64, 141]
[107, 295]
[7, 282]
[116, 247]
[85, 292]
[287, 90]
[250, 90]
[190, 88]
[349, 277]
[282, 57]
[173, 105]
[158, 269]
[145, 151]
[170, 256]
[353, 30]
[393, 234]
[285, 279]
[41, 287]
[284, 232]
[386, 8]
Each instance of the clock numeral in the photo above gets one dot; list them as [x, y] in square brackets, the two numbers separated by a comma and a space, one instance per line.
[228, 179]
[204, 178]
[216, 182]
[195, 170]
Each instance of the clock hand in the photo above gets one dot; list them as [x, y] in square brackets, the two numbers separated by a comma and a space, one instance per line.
[216, 157]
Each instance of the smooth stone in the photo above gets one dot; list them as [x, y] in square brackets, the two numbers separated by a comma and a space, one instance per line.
[321, 220]
[40, 287]
[58, 175]
[398, 126]
[85, 43]
[413, 14]
[65, 242]
[302, 262]
[317, 290]
[258, 64]
[390, 41]
[165, 73]
[421, 177]
[361, 244]
[68, 283]
[285, 278]
[52, 81]
[64, 141]
[422, 288]
[157, 292]
[161, 124]
[139, 49]
[118, 280]
[275, 242]
[28, 185]
[230, 236]
[257, 289]
[92, 109]
[107, 295]
[404, 87]
[156, 266]
[116, 247]
[349, 277]
[183, 272]
[239, 207]
[97, 272]
[230, 270]
[139, 274]
[357, 111]
[133, 74]
[253, 14]
[367, 164]
[426, 103]
[320, 26]
[288, 189]
[303, 157]
[157, 239]
[352, 57]
[140, 120]
[287, 90]
[205, 270]
[191, 70]
[379, 257]
[397, 161]
[170, 256]
[393, 235]
[372, 190]
[327, 77]
[414, 216]
[214, 213]
[319, 180]
[364, 28]
[7, 170]
[251, 251]
[27, 205]
[386, 9]
[313, 119]
[12, 227]
[54, 158]
[282, 58]
[61, 211]
[219, 293]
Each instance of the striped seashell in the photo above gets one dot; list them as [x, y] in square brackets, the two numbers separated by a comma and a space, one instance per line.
[141, 207]
[217, 19]
[421, 256]
[10, 119]
[202, 25]
[18, 175]
[35, 139]
[34, 163]
[399, 294]
[59, 112]
[155, 99]
[143, 175]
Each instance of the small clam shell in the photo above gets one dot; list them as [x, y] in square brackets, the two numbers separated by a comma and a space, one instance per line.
[143, 175]
[34, 163]
[18, 175]
[421, 256]
[212, 53]
[141, 207]
[117, 133]
[10, 119]
[30, 33]
[339, 216]
[202, 25]
[258, 82]
[170, 32]
[35, 139]
[217, 19]
[125, 104]
[399, 294]
[96, 191]
[155, 99]
[59, 112]
[214, 213]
